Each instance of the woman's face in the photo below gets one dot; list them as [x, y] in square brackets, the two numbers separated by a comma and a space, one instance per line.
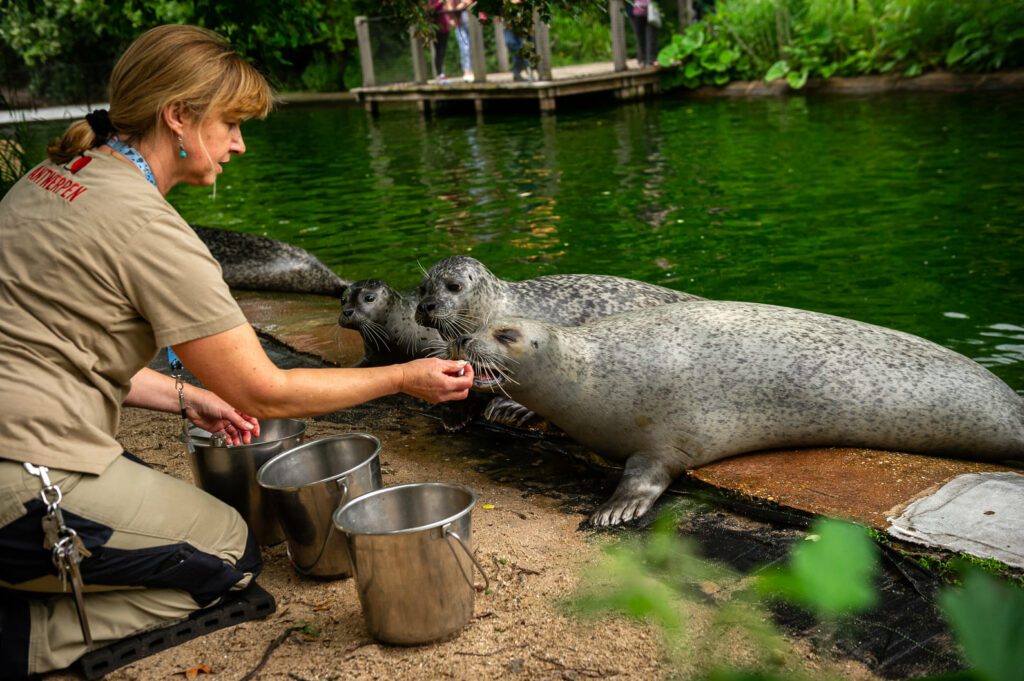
[210, 145]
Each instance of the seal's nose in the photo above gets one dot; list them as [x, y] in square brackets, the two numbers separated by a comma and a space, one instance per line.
[461, 341]
[347, 313]
[426, 307]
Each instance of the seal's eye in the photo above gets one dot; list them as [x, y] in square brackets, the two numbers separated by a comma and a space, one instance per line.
[507, 336]
[423, 291]
[454, 288]
[369, 298]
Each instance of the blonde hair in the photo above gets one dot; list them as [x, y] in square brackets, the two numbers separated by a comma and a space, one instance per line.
[171, 64]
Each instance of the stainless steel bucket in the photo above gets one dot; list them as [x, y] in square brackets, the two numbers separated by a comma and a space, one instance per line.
[413, 565]
[229, 472]
[307, 484]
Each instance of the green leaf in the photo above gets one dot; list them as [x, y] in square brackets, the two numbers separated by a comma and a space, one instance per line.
[831, 574]
[987, 616]
[798, 80]
[776, 71]
[956, 53]
[728, 56]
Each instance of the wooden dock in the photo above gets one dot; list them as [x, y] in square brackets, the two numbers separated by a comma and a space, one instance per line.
[620, 78]
[499, 88]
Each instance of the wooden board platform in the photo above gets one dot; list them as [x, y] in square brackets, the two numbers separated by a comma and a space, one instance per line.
[566, 81]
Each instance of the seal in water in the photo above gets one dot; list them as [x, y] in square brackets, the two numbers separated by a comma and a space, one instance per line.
[459, 294]
[264, 264]
[384, 318]
[678, 386]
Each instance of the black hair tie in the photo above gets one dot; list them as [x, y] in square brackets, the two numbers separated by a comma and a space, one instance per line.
[99, 121]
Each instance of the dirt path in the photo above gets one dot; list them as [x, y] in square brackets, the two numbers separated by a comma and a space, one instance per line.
[529, 538]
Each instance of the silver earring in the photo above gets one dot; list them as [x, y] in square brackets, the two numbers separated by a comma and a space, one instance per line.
[181, 148]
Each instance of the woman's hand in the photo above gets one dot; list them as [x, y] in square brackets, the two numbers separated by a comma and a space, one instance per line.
[437, 380]
[208, 411]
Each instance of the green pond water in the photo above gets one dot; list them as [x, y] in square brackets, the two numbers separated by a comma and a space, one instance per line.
[904, 210]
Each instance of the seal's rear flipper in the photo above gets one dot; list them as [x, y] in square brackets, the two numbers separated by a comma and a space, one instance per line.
[250, 603]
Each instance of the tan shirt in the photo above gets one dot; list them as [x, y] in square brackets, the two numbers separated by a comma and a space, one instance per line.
[97, 272]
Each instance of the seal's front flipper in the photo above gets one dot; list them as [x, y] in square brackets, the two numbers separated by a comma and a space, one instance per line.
[644, 479]
[507, 412]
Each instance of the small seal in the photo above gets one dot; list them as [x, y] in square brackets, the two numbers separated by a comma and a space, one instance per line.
[675, 387]
[260, 263]
[459, 294]
[384, 319]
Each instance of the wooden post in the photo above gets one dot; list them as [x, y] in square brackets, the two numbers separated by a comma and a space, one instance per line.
[542, 38]
[499, 45]
[419, 62]
[686, 14]
[618, 34]
[365, 51]
[476, 46]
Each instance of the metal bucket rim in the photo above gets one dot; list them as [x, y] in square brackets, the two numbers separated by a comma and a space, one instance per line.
[329, 478]
[243, 447]
[405, 530]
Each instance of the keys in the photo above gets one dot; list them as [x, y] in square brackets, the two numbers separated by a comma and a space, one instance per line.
[66, 547]
[51, 531]
[67, 555]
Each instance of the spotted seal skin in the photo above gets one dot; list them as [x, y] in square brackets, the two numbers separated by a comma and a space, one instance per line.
[264, 264]
[384, 319]
[459, 294]
[708, 380]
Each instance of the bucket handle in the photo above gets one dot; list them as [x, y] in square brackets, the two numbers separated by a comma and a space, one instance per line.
[449, 533]
[342, 484]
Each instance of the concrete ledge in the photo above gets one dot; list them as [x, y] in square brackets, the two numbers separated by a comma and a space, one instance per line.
[939, 81]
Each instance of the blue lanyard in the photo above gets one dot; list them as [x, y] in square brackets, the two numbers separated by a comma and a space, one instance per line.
[132, 154]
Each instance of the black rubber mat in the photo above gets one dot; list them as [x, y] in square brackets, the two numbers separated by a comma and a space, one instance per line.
[251, 603]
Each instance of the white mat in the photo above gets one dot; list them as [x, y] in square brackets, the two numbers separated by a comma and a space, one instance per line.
[981, 514]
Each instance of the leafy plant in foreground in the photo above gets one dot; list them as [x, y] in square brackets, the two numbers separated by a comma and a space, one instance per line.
[830, 574]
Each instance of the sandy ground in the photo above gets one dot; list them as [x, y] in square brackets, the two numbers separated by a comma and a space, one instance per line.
[532, 544]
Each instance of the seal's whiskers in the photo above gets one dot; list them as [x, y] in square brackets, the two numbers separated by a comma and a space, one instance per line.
[376, 334]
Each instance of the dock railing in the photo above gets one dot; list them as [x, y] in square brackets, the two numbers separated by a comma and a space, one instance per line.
[541, 36]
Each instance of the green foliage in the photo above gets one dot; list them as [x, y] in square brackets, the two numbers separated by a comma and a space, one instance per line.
[13, 159]
[321, 75]
[704, 59]
[803, 39]
[309, 44]
[987, 617]
[580, 37]
[663, 581]
[829, 573]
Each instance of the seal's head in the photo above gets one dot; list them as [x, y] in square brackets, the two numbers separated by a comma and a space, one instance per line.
[503, 352]
[454, 296]
[364, 307]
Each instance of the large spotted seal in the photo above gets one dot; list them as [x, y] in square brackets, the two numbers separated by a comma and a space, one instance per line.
[459, 293]
[260, 263]
[384, 319]
[675, 387]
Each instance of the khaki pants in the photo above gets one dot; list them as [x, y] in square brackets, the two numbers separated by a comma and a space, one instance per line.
[161, 547]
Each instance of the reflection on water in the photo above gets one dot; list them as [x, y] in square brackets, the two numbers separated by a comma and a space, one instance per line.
[904, 210]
